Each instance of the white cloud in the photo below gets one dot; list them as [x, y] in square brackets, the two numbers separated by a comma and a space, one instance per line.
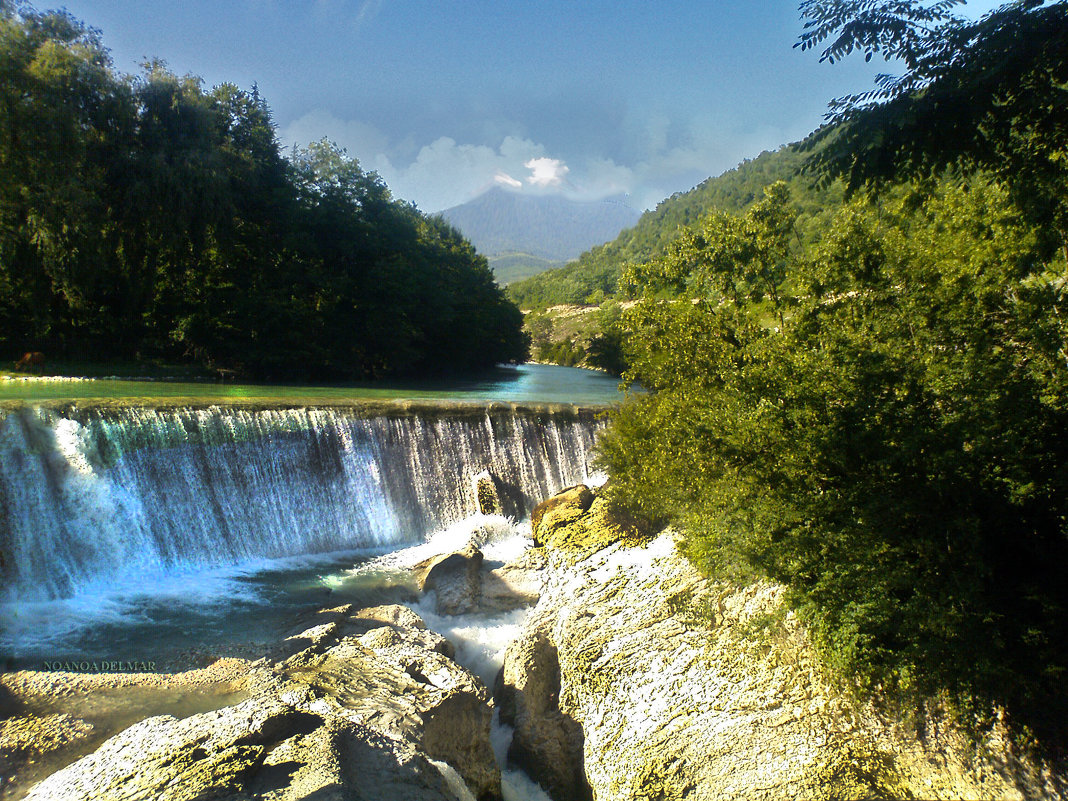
[546, 171]
[505, 179]
[445, 172]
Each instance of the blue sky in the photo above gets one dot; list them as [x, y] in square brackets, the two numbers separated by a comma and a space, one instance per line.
[446, 99]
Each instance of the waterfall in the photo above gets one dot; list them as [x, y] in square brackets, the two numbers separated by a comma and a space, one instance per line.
[90, 495]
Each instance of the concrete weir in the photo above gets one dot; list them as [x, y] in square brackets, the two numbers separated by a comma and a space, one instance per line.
[92, 493]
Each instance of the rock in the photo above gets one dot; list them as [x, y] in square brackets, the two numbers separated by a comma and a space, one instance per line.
[27, 738]
[577, 521]
[371, 708]
[486, 495]
[656, 683]
[262, 748]
[547, 743]
[396, 679]
[457, 580]
[514, 585]
[559, 511]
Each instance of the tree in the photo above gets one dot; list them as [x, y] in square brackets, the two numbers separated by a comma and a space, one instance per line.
[991, 93]
[146, 216]
[878, 421]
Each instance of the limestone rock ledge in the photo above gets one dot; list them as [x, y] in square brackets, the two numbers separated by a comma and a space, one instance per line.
[635, 678]
[367, 704]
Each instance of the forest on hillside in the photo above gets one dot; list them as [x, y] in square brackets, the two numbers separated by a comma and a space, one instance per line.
[870, 404]
[148, 217]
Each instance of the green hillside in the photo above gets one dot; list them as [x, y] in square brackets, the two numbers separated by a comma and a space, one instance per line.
[511, 267]
[594, 275]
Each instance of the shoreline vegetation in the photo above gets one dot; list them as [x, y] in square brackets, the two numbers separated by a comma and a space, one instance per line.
[149, 218]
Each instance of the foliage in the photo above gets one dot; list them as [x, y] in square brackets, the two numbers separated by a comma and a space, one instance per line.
[991, 93]
[599, 269]
[146, 217]
[579, 336]
[879, 420]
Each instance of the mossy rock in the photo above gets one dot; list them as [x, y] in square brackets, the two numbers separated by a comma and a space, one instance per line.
[486, 495]
[857, 773]
[576, 520]
[561, 510]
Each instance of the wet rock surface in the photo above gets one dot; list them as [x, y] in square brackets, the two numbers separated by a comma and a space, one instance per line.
[456, 579]
[363, 704]
[465, 582]
[652, 683]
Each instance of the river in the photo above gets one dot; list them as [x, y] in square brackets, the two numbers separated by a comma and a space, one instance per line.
[524, 383]
[173, 523]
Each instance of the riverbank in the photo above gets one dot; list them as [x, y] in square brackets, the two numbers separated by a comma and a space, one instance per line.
[628, 676]
[636, 678]
[351, 697]
[527, 383]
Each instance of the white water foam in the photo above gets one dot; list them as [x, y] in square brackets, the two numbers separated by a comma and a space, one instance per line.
[96, 497]
[480, 639]
[34, 627]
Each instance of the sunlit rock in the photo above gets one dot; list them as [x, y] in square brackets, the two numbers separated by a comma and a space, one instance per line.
[558, 512]
[369, 707]
[665, 685]
[580, 522]
[456, 578]
[386, 670]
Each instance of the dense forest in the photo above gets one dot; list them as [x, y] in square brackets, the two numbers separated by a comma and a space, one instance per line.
[149, 218]
[874, 409]
[596, 273]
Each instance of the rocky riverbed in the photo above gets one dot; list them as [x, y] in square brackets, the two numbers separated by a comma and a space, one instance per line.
[632, 678]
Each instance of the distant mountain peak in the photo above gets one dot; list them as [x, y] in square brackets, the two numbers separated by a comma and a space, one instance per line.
[550, 226]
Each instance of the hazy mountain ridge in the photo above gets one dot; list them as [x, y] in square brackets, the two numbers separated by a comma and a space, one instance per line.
[596, 272]
[549, 227]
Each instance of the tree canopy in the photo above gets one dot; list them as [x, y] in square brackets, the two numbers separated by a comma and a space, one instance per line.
[148, 216]
[879, 421]
[990, 93]
[874, 410]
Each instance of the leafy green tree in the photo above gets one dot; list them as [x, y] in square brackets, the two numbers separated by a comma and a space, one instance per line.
[147, 217]
[989, 93]
[878, 421]
[58, 104]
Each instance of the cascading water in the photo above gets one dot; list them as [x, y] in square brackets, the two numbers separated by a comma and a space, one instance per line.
[96, 498]
[92, 496]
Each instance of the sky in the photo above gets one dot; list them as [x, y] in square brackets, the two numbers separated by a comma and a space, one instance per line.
[445, 100]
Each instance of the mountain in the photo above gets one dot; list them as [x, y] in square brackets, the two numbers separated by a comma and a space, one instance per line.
[546, 227]
[598, 269]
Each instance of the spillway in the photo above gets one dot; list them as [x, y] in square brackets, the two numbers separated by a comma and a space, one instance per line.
[91, 495]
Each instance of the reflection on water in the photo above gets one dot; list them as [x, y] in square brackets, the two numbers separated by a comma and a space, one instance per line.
[239, 611]
[525, 383]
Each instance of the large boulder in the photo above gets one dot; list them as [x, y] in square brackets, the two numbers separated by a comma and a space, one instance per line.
[547, 742]
[579, 522]
[369, 706]
[514, 585]
[456, 578]
[265, 747]
[561, 510]
[398, 677]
